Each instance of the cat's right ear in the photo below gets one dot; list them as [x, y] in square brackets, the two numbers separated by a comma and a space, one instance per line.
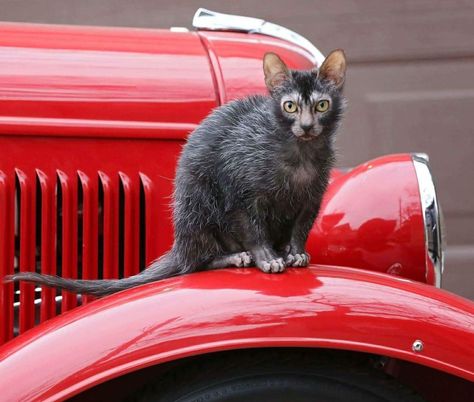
[275, 70]
[333, 68]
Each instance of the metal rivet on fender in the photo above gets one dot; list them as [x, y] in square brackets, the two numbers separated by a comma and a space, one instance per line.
[417, 346]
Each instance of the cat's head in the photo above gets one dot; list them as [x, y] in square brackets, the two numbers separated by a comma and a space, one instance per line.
[310, 102]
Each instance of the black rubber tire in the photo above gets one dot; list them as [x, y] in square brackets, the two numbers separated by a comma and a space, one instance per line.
[277, 376]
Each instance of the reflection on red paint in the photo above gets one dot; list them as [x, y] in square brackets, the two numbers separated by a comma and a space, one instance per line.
[371, 218]
[321, 306]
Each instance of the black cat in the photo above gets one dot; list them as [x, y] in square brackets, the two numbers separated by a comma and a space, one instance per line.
[250, 180]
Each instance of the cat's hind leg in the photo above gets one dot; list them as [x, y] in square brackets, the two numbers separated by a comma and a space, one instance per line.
[243, 259]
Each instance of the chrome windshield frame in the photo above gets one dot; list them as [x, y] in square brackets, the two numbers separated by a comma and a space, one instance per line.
[205, 19]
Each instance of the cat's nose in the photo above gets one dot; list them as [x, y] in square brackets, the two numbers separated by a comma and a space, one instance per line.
[306, 127]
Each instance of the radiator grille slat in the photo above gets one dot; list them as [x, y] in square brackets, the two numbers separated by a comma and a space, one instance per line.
[7, 247]
[150, 243]
[110, 237]
[75, 224]
[27, 247]
[131, 193]
[90, 202]
[48, 241]
[69, 239]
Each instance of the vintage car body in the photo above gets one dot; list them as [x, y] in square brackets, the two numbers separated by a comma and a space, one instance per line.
[92, 121]
[324, 307]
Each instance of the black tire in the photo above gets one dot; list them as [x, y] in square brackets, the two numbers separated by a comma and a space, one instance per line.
[277, 376]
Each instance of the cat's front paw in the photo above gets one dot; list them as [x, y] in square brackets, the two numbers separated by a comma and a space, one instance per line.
[243, 259]
[272, 266]
[297, 259]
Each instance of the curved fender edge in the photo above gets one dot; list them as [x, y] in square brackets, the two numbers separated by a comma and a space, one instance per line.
[322, 307]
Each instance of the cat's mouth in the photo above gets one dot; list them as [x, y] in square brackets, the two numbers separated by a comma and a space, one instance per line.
[306, 137]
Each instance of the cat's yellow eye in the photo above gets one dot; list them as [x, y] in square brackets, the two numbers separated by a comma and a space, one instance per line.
[290, 107]
[322, 106]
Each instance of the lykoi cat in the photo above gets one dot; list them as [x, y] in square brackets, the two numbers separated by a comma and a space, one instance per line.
[249, 181]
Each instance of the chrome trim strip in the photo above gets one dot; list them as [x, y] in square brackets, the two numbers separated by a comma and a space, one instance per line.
[210, 20]
[431, 215]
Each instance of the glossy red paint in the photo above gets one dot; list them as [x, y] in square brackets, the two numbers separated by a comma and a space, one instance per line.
[89, 112]
[121, 169]
[122, 82]
[98, 115]
[371, 218]
[237, 61]
[227, 309]
[84, 81]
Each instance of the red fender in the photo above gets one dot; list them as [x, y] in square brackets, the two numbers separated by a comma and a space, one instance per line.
[329, 307]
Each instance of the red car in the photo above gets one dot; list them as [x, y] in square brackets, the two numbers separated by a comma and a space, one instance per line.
[92, 121]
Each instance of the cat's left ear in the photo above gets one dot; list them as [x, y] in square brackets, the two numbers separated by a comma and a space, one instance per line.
[334, 68]
[275, 70]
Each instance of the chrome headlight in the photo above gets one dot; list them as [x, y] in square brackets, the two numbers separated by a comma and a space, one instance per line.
[432, 218]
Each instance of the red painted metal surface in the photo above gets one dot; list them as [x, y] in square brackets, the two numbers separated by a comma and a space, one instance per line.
[152, 214]
[68, 185]
[371, 218]
[109, 82]
[87, 117]
[237, 61]
[27, 237]
[92, 121]
[89, 250]
[319, 307]
[110, 227]
[131, 224]
[86, 223]
[48, 241]
[7, 254]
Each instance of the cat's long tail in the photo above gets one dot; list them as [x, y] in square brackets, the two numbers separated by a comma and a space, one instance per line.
[164, 267]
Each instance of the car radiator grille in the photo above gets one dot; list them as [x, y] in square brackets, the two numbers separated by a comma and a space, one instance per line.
[76, 225]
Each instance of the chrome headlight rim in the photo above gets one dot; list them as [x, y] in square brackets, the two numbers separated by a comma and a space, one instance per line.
[431, 217]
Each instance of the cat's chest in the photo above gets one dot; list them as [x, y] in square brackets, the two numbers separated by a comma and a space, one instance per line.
[302, 175]
[299, 166]
[298, 175]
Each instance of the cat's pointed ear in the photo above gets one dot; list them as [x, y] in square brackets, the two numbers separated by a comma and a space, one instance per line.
[334, 68]
[275, 70]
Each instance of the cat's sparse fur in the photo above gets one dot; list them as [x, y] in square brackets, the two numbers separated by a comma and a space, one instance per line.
[249, 181]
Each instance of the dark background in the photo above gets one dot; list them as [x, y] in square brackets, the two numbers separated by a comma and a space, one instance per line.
[410, 81]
